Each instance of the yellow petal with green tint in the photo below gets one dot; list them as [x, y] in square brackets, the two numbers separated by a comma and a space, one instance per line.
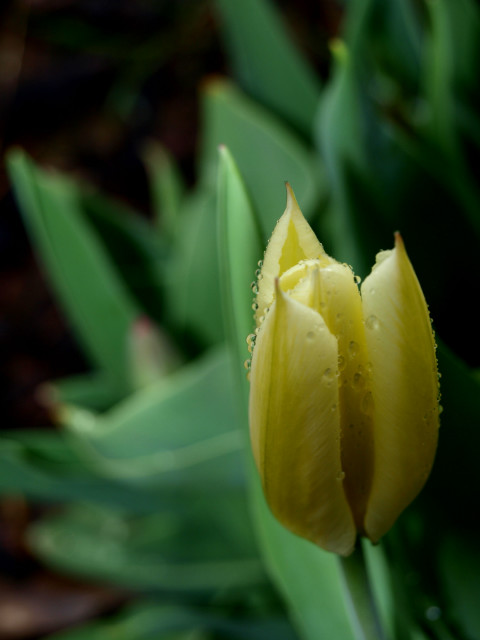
[404, 385]
[295, 424]
[292, 240]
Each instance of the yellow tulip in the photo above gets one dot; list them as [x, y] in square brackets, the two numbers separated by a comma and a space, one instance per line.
[343, 388]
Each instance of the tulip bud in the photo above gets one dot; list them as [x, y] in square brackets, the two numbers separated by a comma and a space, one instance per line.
[343, 388]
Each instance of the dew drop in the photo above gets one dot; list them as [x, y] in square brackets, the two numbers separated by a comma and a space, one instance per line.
[311, 335]
[251, 338]
[341, 363]
[340, 476]
[254, 306]
[372, 323]
[357, 279]
[254, 287]
[366, 404]
[247, 364]
[260, 263]
[433, 613]
[353, 348]
[328, 376]
[358, 380]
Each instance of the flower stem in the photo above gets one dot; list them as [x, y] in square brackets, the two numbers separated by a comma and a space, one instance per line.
[361, 601]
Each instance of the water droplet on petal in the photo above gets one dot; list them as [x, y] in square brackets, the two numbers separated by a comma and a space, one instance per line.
[352, 349]
[366, 404]
[328, 376]
[358, 380]
[433, 613]
[372, 323]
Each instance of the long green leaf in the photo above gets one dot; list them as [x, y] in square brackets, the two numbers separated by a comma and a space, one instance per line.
[99, 307]
[152, 621]
[192, 280]
[267, 153]
[181, 431]
[166, 187]
[266, 62]
[187, 551]
[45, 467]
[240, 249]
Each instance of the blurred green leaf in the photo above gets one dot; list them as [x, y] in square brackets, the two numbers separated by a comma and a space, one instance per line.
[43, 466]
[240, 249]
[88, 286]
[380, 31]
[452, 69]
[154, 621]
[138, 254]
[166, 187]
[92, 390]
[451, 80]
[267, 154]
[266, 62]
[192, 279]
[459, 566]
[196, 549]
[455, 479]
[341, 130]
[185, 427]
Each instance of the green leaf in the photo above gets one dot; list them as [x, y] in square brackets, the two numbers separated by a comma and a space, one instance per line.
[99, 307]
[267, 154]
[459, 566]
[458, 444]
[149, 620]
[451, 64]
[92, 390]
[44, 466]
[451, 78]
[139, 255]
[194, 549]
[341, 140]
[266, 62]
[166, 187]
[192, 281]
[181, 431]
[389, 37]
[240, 249]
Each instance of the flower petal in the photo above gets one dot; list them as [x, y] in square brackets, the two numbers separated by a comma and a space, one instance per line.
[401, 351]
[295, 425]
[292, 240]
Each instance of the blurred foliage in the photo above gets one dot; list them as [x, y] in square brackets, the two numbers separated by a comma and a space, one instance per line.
[150, 459]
